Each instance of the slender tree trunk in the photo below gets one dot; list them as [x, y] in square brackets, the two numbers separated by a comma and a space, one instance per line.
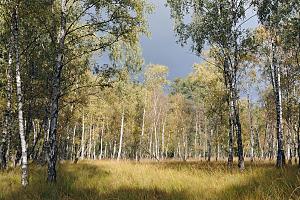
[179, 151]
[265, 141]
[230, 139]
[271, 149]
[66, 156]
[9, 92]
[185, 145]
[83, 137]
[241, 164]
[56, 94]
[278, 101]
[195, 139]
[298, 136]
[121, 136]
[289, 145]
[90, 142]
[258, 145]
[217, 151]
[94, 142]
[163, 140]
[115, 149]
[251, 130]
[7, 115]
[155, 139]
[142, 134]
[105, 149]
[150, 143]
[101, 141]
[24, 165]
[167, 146]
[217, 144]
[209, 145]
[228, 83]
[74, 154]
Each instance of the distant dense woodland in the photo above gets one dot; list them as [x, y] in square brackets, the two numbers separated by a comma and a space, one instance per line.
[57, 103]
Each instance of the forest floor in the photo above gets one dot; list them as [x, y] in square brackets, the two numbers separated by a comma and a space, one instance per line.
[152, 180]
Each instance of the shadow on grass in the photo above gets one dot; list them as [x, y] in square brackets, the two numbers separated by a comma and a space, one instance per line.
[265, 182]
[73, 184]
[261, 180]
[143, 194]
[84, 181]
[65, 188]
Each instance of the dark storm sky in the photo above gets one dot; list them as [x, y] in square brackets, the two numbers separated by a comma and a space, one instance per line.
[161, 47]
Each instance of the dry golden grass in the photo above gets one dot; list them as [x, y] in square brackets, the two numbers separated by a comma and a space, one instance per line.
[152, 180]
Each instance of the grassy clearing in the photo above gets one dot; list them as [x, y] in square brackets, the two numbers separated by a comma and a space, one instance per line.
[149, 180]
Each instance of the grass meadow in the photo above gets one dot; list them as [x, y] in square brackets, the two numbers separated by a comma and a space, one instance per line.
[128, 180]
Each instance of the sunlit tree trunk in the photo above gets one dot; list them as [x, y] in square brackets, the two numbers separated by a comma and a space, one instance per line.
[101, 141]
[217, 144]
[74, 154]
[241, 164]
[271, 143]
[56, 94]
[150, 143]
[83, 137]
[167, 146]
[217, 151]
[228, 80]
[90, 141]
[155, 139]
[163, 139]
[265, 141]
[185, 145]
[230, 70]
[278, 103]
[209, 134]
[142, 134]
[115, 149]
[94, 143]
[258, 144]
[195, 138]
[121, 136]
[105, 150]
[230, 138]
[24, 164]
[251, 130]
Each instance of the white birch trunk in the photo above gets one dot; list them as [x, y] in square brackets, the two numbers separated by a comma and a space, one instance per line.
[101, 141]
[82, 138]
[163, 140]
[121, 136]
[54, 109]
[24, 164]
[142, 134]
[94, 143]
[74, 154]
[90, 142]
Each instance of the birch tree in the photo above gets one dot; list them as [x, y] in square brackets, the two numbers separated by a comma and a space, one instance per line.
[218, 24]
[15, 33]
[273, 14]
[117, 21]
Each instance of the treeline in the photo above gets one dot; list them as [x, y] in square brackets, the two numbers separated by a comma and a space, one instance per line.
[57, 103]
[46, 52]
